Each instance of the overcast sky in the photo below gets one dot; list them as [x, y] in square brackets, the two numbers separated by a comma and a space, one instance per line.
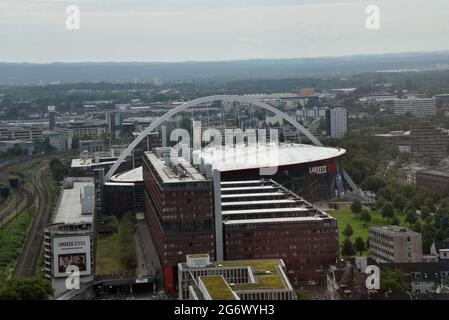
[185, 30]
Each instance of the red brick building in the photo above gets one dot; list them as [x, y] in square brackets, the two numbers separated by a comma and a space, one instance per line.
[179, 211]
[203, 209]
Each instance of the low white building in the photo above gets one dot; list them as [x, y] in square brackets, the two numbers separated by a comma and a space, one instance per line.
[69, 239]
[202, 279]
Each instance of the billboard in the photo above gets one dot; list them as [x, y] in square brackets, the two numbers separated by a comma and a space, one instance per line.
[71, 251]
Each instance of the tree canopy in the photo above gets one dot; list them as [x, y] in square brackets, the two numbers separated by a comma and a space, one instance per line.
[36, 288]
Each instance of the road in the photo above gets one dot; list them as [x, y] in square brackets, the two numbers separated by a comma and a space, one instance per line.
[147, 260]
[27, 262]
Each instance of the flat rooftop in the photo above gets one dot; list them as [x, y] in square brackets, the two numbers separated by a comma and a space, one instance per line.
[265, 156]
[182, 172]
[393, 230]
[69, 210]
[217, 288]
[265, 274]
[441, 173]
[81, 162]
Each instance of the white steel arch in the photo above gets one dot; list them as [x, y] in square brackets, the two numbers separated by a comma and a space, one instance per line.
[231, 98]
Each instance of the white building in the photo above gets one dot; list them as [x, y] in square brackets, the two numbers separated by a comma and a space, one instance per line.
[315, 113]
[263, 279]
[336, 122]
[60, 142]
[69, 239]
[415, 106]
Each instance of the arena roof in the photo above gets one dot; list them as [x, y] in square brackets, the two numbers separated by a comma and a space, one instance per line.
[265, 156]
[274, 220]
[262, 211]
[258, 202]
[134, 175]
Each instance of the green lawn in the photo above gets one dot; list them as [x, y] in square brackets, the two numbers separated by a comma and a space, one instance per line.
[107, 257]
[345, 216]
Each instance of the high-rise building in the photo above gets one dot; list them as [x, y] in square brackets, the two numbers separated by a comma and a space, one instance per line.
[419, 107]
[51, 117]
[336, 122]
[428, 144]
[179, 210]
[395, 244]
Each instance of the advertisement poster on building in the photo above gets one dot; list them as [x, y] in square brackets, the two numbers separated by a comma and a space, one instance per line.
[71, 251]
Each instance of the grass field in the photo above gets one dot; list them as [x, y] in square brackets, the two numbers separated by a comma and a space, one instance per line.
[107, 256]
[345, 216]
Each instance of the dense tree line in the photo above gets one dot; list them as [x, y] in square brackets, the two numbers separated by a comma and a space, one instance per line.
[15, 151]
[36, 288]
[58, 169]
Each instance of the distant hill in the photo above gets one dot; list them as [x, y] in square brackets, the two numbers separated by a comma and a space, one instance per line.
[224, 70]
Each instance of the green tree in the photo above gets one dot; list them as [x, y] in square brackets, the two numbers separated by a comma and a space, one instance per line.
[393, 281]
[411, 218]
[380, 202]
[426, 212]
[348, 231]
[356, 206]
[443, 210]
[359, 245]
[43, 146]
[386, 192]
[365, 216]
[399, 202]
[36, 288]
[348, 248]
[388, 210]
[58, 169]
[395, 221]
[417, 227]
[427, 236]
[373, 183]
[410, 209]
[429, 203]
[441, 226]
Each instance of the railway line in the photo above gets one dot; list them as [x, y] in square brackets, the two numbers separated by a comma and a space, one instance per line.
[27, 262]
[24, 199]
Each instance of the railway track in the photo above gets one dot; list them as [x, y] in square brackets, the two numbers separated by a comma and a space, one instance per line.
[27, 262]
[25, 199]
